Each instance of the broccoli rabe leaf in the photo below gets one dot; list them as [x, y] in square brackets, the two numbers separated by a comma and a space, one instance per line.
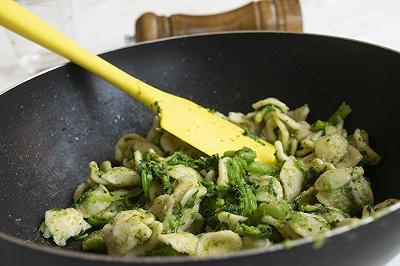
[146, 176]
[235, 171]
[259, 231]
[181, 158]
[151, 170]
[94, 242]
[247, 200]
[208, 162]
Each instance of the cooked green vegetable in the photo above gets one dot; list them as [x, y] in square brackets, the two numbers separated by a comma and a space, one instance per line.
[343, 111]
[94, 242]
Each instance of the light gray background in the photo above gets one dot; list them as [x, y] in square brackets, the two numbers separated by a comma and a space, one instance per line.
[102, 25]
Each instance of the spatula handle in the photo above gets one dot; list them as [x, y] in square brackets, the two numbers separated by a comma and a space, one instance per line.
[21, 21]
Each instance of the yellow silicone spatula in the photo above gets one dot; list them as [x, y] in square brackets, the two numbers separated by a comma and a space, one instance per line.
[188, 121]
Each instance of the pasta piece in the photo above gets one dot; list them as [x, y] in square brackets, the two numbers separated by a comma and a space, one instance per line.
[188, 216]
[63, 224]
[305, 225]
[115, 177]
[178, 171]
[350, 198]
[308, 158]
[339, 125]
[337, 199]
[337, 178]
[122, 237]
[137, 155]
[351, 159]
[185, 187]
[128, 229]
[331, 148]
[293, 147]
[362, 145]
[307, 197]
[329, 130]
[300, 113]
[80, 190]
[162, 206]
[242, 121]
[218, 243]
[182, 242]
[292, 179]
[385, 204]
[155, 190]
[268, 188]
[94, 201]
[361, 192]
[280, 152]
[332, 215]
[230, 218]
[368, 211]
[155, 132]
[223, 178]
[267, 132]
[141, 250]
[129, 143]
[303, 131]
[105, 166]
[121, 177]
[136, 214]
[284, 134]
[272, 101]
[254, 243]
[349, 222]
[287, 120]
[211, 176]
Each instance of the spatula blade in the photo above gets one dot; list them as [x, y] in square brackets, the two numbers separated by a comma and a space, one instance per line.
[206, 130]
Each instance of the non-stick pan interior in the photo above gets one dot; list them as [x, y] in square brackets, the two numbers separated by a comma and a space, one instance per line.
[53, 125]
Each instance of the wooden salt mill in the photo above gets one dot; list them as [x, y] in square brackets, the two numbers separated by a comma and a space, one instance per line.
[272, 15]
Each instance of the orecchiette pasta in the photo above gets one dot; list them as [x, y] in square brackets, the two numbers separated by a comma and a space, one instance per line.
[217, 243]
[182, 242]
[63, 224]
[292, 179]
[167, 198]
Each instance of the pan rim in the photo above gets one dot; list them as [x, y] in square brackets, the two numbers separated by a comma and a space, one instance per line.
[161, 260]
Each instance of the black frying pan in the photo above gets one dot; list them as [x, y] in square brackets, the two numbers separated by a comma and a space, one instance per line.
[54, 124]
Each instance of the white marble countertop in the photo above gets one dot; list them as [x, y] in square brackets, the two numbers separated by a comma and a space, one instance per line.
[368, 20]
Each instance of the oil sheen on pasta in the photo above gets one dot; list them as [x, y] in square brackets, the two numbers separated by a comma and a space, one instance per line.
[166, 198]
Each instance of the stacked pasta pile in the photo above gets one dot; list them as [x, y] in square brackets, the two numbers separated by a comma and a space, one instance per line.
[165, 198]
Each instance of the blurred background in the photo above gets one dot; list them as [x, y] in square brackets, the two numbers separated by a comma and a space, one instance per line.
[107, 25]
[110, 24]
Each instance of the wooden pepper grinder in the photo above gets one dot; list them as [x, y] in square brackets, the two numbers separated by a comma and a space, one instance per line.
[274, 15]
